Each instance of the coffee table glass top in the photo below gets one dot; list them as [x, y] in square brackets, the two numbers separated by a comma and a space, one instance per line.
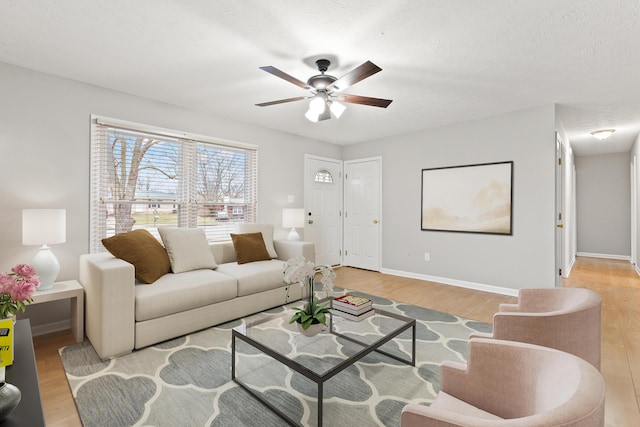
[340, 342]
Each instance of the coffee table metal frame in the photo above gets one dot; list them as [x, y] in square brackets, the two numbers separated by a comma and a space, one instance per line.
[321, 379]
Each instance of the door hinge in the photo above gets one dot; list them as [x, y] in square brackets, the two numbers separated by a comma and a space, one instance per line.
[560, 216]
[559, 272]
[560, 161]
[340, 252]
[339, 213]
[346, 175]
[346, 252]
[345, 214]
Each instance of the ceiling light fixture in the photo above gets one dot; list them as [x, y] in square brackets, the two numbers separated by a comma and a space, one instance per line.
[321, 107]
[602, 134]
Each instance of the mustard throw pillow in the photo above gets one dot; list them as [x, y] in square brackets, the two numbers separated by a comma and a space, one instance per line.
[140, 248]
[249, 247]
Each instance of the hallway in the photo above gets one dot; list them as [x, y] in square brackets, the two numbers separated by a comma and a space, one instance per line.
[619, 285]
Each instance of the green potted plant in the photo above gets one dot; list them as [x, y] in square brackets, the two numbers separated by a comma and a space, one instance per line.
[312, 317]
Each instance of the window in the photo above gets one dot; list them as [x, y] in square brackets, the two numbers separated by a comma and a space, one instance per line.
[145, 177]
[323, 176]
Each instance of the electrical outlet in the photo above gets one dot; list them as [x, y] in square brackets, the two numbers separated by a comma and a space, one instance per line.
[427, 256]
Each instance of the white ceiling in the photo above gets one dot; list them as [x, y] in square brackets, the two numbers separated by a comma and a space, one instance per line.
[443, 61]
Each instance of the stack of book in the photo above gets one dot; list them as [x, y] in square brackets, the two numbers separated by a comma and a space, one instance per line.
[352, 307]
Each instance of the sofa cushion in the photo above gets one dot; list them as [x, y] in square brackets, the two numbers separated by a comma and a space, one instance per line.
[267, 235]
[140, 248]
[256, 276]
[188, 249]
[249, 247]
[174, 293]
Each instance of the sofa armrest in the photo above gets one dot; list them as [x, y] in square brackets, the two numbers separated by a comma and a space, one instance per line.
[287, 249]
[109, 288]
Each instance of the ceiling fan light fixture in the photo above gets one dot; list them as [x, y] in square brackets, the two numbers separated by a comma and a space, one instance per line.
[602, 134]
[318, 104]
[311, 115]
[337, 108]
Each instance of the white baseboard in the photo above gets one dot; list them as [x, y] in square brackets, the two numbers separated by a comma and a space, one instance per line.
[48, 328]
[606, 256]
[568, 272]
[453, 282]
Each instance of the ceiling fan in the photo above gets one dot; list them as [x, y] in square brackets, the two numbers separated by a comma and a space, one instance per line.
[326, 90]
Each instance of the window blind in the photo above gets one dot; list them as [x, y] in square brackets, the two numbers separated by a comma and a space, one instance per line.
[145, 177]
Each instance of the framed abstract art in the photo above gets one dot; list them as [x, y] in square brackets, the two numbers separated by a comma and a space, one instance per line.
[468, 199]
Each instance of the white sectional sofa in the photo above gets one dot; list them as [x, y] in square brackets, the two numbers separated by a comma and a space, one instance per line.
[123, 313]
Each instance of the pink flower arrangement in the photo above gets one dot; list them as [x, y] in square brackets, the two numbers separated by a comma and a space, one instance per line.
[16, 289]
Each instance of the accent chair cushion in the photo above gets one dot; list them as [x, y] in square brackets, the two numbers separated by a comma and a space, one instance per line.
[249, 247]
[140, 248]
[188, 249]
[267, 235]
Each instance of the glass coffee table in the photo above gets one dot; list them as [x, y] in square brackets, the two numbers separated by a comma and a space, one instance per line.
[318, 358]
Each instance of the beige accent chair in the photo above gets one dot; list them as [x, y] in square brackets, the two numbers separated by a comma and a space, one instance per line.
[566, 319]
[508, 383]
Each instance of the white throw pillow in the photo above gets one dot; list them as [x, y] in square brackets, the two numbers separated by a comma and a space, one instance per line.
[267, 235]
[187, 248]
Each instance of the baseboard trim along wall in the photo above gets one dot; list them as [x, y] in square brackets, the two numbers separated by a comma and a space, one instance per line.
[606, 256]
[48, 328]
[453, 282]
[568, 272]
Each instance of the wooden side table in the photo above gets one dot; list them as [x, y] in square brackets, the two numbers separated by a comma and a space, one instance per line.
[73, 291]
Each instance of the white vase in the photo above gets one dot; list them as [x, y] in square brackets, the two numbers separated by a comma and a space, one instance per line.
[312, 330]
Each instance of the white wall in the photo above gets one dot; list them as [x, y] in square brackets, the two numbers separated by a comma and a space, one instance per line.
[505, 263]
[44, 159]
[603, 204]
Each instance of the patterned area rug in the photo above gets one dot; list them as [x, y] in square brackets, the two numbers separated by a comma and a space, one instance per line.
[187, 381]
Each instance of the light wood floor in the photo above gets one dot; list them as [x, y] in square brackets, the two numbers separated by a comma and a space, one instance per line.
[616, 281]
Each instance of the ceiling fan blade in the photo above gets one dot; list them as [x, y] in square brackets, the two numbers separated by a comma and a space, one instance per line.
[354, 76]
[282, 101]
[364, 100]
[285, 76]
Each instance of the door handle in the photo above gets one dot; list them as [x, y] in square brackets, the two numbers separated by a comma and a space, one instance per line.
[560, 226]
[375, 221]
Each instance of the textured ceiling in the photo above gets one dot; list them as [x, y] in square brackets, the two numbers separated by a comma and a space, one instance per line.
[443, 61]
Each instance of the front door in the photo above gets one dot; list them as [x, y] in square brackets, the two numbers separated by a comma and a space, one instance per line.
[323, 208]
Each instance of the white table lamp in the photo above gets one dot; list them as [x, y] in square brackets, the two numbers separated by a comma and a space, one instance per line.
[44, 227]
[293, 218]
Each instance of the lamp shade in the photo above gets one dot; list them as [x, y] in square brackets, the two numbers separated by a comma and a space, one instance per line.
[292, 218]
[44, 226]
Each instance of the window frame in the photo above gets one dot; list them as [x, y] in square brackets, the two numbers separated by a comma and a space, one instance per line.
[187, 198]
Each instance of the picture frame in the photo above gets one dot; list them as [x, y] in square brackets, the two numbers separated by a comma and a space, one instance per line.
[474, 198]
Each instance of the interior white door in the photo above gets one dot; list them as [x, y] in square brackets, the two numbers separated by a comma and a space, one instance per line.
[634, 214]
[362, 227]
[323, 208]
[559, 212]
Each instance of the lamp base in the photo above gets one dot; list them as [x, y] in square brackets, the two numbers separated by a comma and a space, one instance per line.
[46, 266]
[293, 235]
